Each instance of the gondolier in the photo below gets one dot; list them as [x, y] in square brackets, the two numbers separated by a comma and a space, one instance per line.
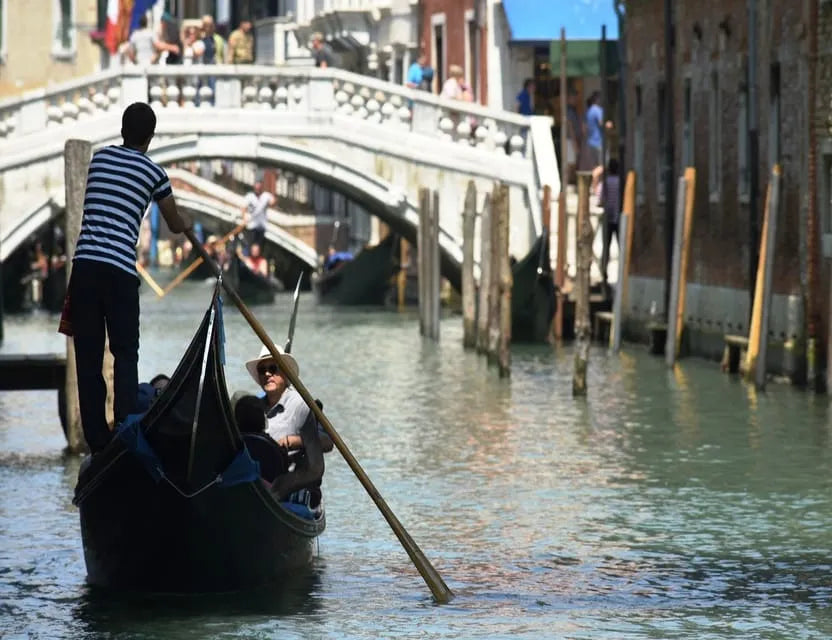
[255, 213]
[104, 287]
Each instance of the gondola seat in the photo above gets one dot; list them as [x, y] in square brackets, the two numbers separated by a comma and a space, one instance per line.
[270, 455]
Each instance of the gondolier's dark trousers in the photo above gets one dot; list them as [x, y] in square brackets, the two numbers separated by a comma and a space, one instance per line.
[103, 296]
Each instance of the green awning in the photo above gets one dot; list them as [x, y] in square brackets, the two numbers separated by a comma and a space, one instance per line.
[583, 58]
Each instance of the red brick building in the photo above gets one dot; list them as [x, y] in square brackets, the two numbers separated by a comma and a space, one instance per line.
[711, 96]
[453, 32]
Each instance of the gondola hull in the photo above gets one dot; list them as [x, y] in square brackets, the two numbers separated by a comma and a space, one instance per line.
[533, 295]
[252, 287]
[176, 502]
[365, 280]
[140, 535]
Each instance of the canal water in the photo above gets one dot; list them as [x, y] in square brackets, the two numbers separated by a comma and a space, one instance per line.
[668, 504]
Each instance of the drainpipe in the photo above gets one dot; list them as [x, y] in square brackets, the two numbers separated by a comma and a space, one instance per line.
[669, 212]
[812, 226]
[753, 155]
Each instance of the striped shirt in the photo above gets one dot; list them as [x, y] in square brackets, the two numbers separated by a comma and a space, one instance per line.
[120, 184]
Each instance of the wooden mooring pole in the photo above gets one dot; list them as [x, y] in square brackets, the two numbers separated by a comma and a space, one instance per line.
[758, 337]
[681, 251]
[494, 279]
[469, 289]
[584, 237]
[484, 289]
[560, 264]
[505, 283]
[76, 162]
[625, 241]
[429, 280]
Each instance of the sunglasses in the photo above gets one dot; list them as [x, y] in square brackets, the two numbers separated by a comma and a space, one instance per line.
[270, 369]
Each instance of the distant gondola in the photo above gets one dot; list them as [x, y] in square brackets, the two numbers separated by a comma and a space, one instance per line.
[177, 503]
[252, 287]
[364, 280]
[533, 294]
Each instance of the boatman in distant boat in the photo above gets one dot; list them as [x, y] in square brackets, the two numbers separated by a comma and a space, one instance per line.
[104, 287]
[255, 213]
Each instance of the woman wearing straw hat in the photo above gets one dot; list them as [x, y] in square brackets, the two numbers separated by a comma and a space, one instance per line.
[286, 412]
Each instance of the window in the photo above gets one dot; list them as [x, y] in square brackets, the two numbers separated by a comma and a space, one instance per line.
[687, 129]
[638, 150]
[661, 165]
[714, 138]
[63, 33]
[438, 50]
[471, 52]
[774, 117]
[742, 142]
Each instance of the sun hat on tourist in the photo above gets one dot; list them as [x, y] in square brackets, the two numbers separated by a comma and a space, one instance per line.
[264, 356]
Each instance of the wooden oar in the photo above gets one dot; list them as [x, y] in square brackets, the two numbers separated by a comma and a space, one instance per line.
[441, 593]
[191, 267]
[149, 279]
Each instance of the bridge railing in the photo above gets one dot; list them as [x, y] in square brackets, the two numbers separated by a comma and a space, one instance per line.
[269, 88]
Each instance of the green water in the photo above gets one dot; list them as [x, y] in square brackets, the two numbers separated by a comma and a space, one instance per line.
[668, 504]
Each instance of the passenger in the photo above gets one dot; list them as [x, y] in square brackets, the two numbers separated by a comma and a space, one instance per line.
[256, 262]
[286, 412]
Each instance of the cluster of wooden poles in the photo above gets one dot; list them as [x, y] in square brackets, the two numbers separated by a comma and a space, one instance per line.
[486, 309]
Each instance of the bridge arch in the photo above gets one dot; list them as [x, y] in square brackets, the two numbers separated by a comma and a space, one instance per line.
[377, 196]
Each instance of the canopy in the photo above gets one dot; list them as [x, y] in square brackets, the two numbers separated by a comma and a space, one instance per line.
[583, 58]
[582, 19]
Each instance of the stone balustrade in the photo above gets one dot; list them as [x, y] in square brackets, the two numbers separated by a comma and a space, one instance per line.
[268, 88]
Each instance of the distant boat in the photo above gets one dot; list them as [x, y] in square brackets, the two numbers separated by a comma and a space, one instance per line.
[252, 287]
[364, 280]
[533, 294]
[181, 501]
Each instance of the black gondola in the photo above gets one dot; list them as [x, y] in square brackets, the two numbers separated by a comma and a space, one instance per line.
[533, 294]
[252, 287]
[364, 280]
[177, 502]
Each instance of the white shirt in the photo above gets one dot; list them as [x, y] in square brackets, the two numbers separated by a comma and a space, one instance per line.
[257, 209]
[287, 417]
[142, 42]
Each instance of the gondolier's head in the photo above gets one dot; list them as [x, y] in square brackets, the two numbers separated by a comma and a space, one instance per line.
[138, 124]
[264, 365]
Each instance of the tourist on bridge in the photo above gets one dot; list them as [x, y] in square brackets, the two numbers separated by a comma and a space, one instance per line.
[415, 74]
[255, 213]
[322, 52]
[241, 45]
[104, 287]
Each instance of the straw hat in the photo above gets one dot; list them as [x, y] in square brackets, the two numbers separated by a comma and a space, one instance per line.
[265, 355]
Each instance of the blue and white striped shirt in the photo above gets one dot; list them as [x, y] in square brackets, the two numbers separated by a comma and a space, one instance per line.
[120, 184]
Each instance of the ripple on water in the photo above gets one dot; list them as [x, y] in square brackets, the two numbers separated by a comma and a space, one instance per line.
[667, 504]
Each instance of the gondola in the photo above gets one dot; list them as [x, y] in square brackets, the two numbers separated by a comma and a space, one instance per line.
[252, 287]
[364, 280]
[533, 294]
[201, 272]
[181, 501]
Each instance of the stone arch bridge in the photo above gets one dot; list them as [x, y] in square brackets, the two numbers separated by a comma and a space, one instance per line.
[374, 141]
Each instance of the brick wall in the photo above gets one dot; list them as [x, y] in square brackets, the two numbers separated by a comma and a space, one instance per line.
[711, 41]
[455, 29]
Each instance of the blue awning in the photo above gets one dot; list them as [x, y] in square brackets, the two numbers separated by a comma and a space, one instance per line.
[582, 19]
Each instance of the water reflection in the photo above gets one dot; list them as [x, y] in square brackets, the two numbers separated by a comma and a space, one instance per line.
[669, 503]
[102, 613]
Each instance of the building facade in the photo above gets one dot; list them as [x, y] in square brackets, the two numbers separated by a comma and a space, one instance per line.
[46, 46]
[711, 115]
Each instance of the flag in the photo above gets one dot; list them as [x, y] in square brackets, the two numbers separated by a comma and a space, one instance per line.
[111, 37]
[140, 7]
